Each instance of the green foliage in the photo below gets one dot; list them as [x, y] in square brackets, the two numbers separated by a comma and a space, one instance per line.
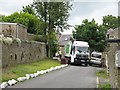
[102, 73]
[28, 9]
[92, 33]
[53, 13]
[1, 18]
[105, 86]
[53, 44]
[110, 21]
[29, 20]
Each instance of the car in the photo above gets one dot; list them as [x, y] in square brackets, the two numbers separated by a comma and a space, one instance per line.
[96, 59]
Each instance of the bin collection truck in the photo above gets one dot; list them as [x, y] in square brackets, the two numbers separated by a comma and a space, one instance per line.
[77, 52]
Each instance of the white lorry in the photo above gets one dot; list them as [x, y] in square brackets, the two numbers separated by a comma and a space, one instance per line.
[77, 52]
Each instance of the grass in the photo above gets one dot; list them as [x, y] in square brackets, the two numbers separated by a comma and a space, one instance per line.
[23, 69]
[105, 86]
[102, 73]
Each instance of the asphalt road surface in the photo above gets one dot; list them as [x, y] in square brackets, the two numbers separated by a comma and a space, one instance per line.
[68, 77]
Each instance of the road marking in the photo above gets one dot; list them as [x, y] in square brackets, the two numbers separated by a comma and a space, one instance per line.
[97, 82]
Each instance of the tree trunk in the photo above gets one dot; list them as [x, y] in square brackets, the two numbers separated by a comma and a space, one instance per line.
[49, 30]
[45, 29]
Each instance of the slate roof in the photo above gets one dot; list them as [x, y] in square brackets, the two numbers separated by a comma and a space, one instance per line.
[64, 39]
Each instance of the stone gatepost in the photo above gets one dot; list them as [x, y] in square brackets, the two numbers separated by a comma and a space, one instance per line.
[0, 57]
[119, 19]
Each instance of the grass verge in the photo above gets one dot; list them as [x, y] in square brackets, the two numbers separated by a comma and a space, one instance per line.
[105, 86]
[23, 69]
[102, 73]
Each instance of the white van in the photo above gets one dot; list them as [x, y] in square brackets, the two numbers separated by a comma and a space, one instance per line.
[96, 58]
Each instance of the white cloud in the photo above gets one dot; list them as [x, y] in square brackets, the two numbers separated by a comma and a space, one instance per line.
[11, 6]
[69, 31]
[97, 14]
[109, 9]
[75, 20]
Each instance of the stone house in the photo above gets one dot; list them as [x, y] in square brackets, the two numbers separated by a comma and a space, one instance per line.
[112, 33]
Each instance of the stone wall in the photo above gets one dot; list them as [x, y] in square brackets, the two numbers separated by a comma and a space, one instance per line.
[21, 32]
[13, 29]
[32, 37]
[25, 52]
[114, 72]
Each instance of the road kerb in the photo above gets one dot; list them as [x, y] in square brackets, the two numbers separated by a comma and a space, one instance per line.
[21, 79]
[97, 82]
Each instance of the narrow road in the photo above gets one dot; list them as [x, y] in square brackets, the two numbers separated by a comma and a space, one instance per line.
[69, 77]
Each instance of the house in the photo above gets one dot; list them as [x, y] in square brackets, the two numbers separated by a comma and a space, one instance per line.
[63, 40]
[112, 33]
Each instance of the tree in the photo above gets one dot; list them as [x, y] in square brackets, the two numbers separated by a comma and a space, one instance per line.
[28, 9]
[54, 14]
[110, 21]
[91, 33]
[1, 18]
[33, 23]
[53, 44]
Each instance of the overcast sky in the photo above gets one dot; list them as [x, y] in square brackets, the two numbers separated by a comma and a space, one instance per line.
[82, 9]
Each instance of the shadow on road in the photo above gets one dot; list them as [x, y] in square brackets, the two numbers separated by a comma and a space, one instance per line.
[79, 65]
[97, 66]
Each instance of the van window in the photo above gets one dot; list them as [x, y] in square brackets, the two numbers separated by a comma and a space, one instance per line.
[96, 55]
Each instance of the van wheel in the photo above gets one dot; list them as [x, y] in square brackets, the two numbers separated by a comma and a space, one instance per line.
[90, 64]
[86, 64]
[100, 65]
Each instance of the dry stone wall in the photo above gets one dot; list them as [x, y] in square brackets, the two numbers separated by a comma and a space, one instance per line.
[22, 52]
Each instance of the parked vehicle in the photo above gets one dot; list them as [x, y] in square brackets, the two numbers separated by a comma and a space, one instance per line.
[96, 59]
[77, 52]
